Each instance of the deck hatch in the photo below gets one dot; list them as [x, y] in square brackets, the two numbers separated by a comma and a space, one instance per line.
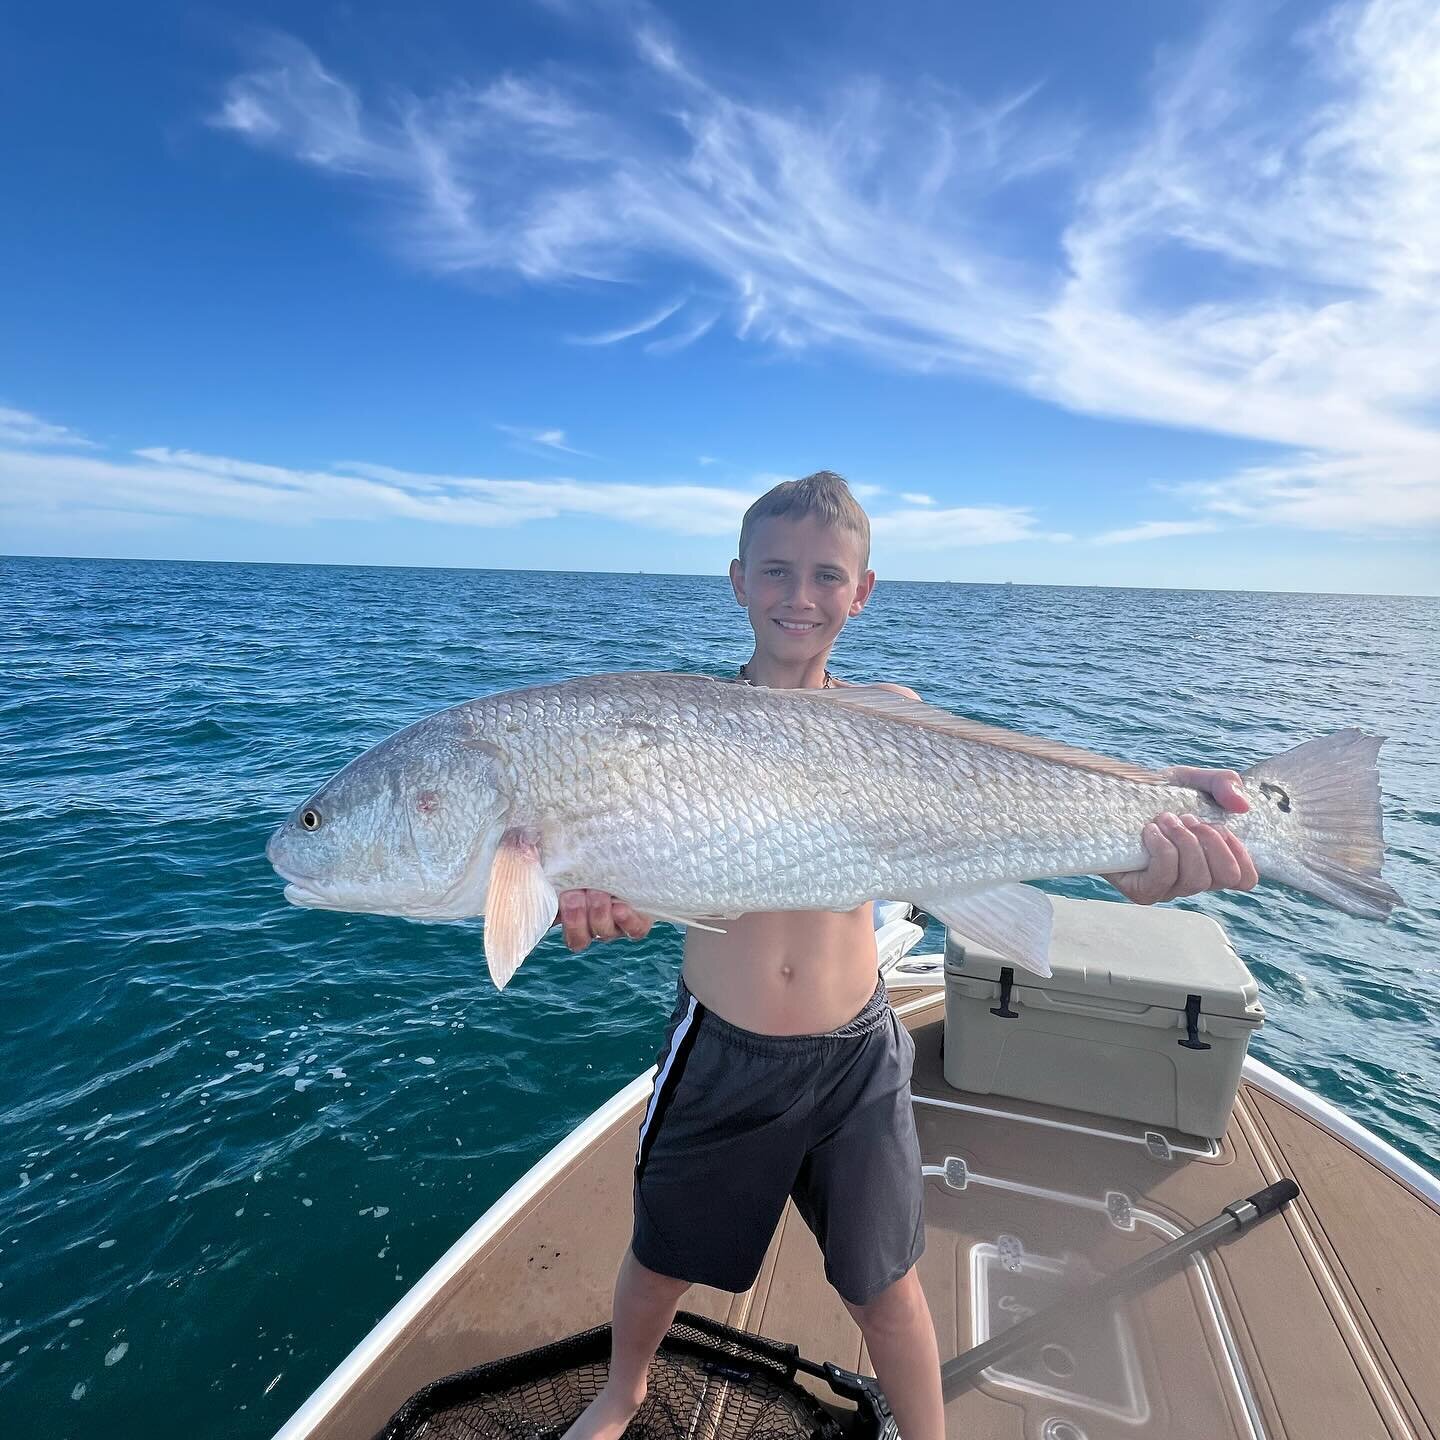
[1093, 1367]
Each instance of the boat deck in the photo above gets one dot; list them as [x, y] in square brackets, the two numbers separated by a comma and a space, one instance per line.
[1318, 1323]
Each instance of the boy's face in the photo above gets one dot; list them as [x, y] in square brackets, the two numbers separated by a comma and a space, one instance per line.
[801, 581]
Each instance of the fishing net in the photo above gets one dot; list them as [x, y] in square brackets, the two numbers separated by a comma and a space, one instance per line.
[708, 1381]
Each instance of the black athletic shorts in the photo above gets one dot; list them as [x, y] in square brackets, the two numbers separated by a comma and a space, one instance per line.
[738, 1122]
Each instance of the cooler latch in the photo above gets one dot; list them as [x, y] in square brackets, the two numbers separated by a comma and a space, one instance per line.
[1192, 1040]
[1007, 984]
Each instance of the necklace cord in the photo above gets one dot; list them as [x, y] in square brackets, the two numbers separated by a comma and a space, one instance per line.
[742, 678]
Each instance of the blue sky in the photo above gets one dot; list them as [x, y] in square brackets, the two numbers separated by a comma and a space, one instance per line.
[1125, 294]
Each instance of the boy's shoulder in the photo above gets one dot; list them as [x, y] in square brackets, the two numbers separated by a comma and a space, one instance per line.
[904, 690]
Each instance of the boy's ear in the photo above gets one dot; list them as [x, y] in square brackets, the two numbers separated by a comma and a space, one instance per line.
[737, 580]
[863, 590]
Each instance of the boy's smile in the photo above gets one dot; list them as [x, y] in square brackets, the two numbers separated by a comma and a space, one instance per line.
[801, 580]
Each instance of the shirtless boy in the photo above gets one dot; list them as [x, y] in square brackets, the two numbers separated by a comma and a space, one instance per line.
[784, 1068]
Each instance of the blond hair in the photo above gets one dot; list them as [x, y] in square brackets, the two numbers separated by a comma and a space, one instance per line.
[825, 495]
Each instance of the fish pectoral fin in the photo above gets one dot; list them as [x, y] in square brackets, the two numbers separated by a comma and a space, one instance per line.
[1012, 920]
[520, 905]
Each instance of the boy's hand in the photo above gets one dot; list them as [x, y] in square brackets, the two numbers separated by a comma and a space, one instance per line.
[1187, 855]
[593, 915]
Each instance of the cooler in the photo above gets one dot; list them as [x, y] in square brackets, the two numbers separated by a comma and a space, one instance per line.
[1147, 1017]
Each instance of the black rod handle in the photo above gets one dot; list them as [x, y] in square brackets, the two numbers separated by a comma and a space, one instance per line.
[1272, 1197]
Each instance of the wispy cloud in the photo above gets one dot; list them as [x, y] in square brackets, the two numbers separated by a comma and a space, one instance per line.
[815, 226]
[1304, 310]
[960, 525]
[629, 332]
[688, 334]
[912, 498]
[161, 481]
[20, 427]
[1389, 494]
[544, 439]
[161, 484]
[1155, 530]
[1252, 259]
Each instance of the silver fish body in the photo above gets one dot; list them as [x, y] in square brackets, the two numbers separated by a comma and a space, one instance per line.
[692, 799]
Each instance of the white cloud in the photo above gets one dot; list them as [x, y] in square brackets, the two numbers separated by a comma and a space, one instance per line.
[1318, 318]
[161, 481]
[691, 332]
[20, 427]
[628, 332]
[1254, 259]
[957, 526]
[1361, 494]
[519, 175]
[551, 439]
[1155, 530]
[161, 484]
[911, 498]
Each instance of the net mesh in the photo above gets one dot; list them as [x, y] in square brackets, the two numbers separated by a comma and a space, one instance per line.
[707, 1381]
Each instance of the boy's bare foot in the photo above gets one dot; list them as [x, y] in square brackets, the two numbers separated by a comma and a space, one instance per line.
[606, 1416]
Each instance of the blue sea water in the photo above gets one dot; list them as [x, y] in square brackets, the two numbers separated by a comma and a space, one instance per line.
[232, 1133]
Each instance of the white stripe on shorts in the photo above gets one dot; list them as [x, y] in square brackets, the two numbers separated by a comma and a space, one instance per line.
[681, 1030]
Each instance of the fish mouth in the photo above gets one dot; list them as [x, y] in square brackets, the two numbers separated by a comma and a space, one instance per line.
[298, 894]
[300, 889]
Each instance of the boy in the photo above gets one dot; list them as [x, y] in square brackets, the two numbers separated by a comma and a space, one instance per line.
[784, 1069]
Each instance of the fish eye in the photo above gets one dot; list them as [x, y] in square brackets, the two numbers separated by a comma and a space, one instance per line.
[310, 819]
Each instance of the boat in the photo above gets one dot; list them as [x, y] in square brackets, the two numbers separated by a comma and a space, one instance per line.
[1318, 1323]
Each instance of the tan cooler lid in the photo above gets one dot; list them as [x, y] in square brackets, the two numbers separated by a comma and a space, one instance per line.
[1136, 953]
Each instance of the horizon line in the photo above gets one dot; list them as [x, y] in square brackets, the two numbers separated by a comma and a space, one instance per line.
[713, 575]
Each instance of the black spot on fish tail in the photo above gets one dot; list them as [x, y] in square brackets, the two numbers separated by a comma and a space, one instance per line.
[1277, 794]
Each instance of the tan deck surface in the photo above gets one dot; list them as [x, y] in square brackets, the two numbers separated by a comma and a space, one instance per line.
[1332, 1310]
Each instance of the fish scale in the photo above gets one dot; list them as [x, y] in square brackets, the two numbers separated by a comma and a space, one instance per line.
[697, 800]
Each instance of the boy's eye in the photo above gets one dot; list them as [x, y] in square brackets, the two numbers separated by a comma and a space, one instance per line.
[775, 570]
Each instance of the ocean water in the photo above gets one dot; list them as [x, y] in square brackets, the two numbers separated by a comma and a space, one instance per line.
[232, 1133]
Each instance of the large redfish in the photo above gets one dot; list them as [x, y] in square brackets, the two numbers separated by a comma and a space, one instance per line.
[695, 800]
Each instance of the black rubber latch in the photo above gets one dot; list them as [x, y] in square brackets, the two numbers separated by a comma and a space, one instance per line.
[1192, 1040]
[1007, 984]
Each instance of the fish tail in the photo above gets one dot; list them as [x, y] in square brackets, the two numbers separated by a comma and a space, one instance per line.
[1333, 787]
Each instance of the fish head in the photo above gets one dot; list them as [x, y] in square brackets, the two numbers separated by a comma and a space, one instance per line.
[407, 828]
